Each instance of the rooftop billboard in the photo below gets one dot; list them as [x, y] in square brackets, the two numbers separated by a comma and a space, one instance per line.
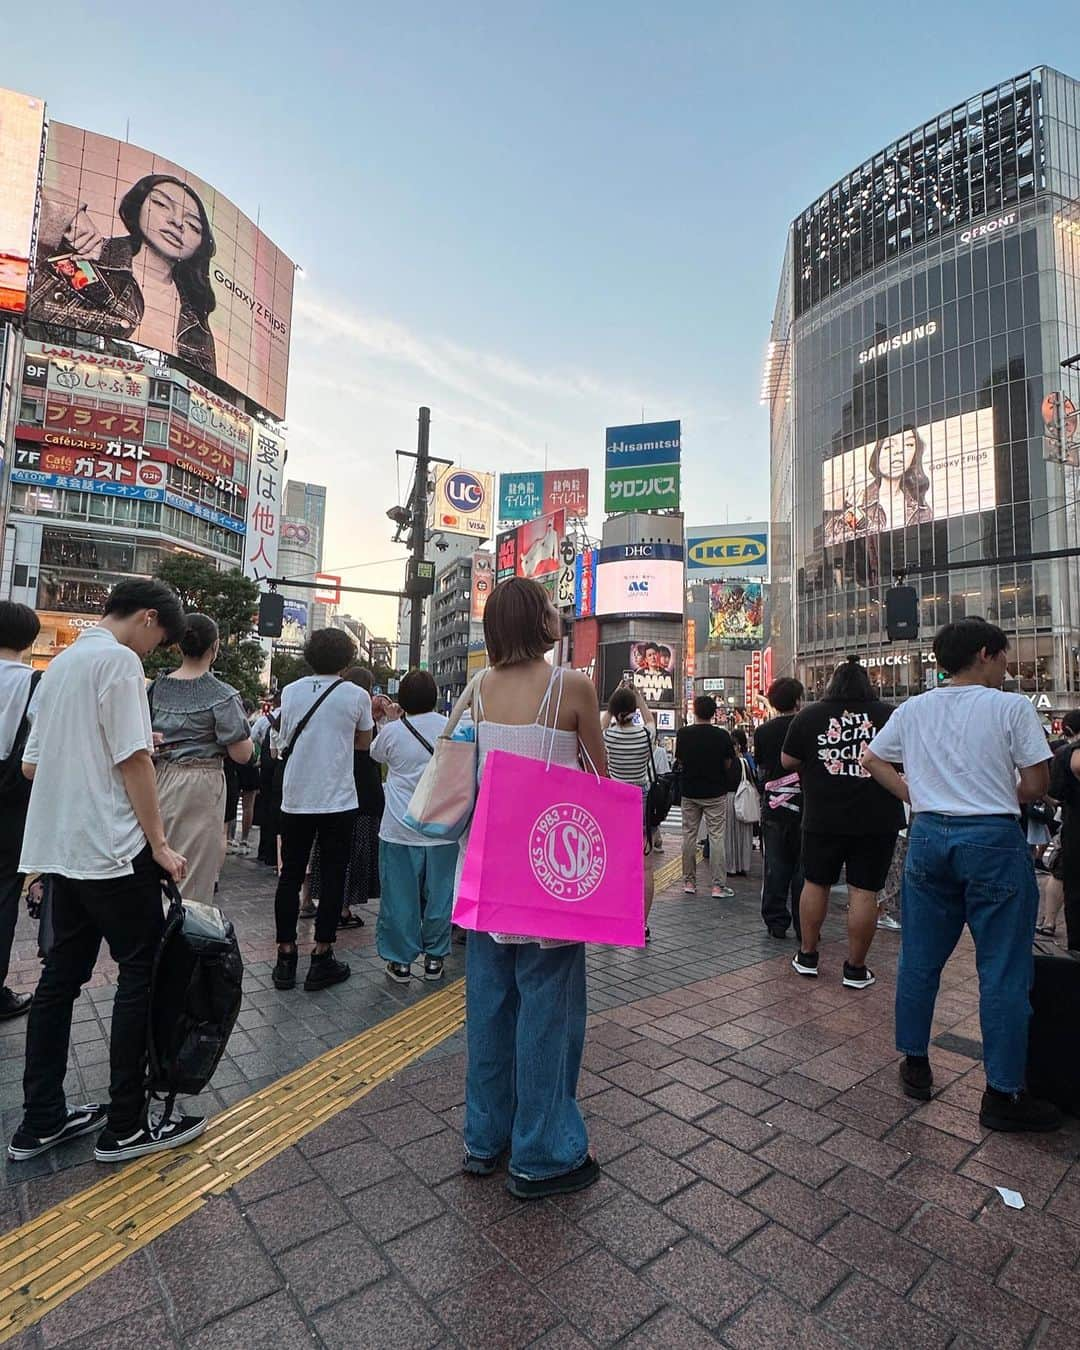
[22, 121]
[132, 246]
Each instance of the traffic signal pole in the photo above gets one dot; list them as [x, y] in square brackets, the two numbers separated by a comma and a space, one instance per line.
[419, 532]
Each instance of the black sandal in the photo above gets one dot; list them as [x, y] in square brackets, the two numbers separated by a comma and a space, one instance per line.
[350, 920]
[1047, 932]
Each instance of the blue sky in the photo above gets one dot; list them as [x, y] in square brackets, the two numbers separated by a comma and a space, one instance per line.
[538, 219]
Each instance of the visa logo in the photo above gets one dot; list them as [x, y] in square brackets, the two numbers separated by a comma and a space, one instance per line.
[728, 551]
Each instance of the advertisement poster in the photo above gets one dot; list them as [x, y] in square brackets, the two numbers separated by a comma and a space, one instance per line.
[1060, 422]
[640, 579]
[641, 464]
[912, 476]
[294, 624]
[649, 667]
[716, 551]
[264, 506]
[483, 579]
[506, 554]
[539, 547]
[524, 496]
[133, 246]
[464, 503]
[736, 613]
[585, 584]
[22, 122]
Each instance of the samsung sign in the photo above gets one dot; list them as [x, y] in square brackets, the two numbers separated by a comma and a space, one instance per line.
[904, 339]
[725, 552]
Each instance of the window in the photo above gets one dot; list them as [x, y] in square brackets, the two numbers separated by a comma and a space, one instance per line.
[161, 392]
[156, 433]
[180, 400]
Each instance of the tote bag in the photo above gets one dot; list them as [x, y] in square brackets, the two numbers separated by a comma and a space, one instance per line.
[747, 800]
[553, 853]
[442, 802]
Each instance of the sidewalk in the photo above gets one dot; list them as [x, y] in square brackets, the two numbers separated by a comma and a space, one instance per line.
[765, 1183]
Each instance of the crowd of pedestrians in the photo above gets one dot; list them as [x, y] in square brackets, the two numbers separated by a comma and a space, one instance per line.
[123, 782]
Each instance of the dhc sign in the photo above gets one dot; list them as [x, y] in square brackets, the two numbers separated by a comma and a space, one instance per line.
[732, 555]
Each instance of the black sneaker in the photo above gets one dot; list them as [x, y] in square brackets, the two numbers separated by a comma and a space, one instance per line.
[12, 1004]
[916, 1078]
[780, 934]
[433, 967]
[325, 970]
[399, 973]
[284, 973]
[83, 1119]
[564, 1184]
[857, 977]
[805, 963]
[153, 1136]
[1017, 1112]
[475, 1166]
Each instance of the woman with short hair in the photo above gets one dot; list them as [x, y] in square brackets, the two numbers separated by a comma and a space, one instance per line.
[198, 721]
[526, 995]
[416, 873]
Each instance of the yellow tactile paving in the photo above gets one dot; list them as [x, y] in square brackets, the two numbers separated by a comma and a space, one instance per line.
[65, 1248]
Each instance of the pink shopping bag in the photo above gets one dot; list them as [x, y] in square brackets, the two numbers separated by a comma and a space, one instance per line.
[553, 853]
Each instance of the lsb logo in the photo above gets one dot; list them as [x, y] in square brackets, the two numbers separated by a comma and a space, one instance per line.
[465, 491]
[567, 852]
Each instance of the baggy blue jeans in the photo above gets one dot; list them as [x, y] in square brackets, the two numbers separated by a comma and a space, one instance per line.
[975, 870]
[417, 894]
[525, 1031]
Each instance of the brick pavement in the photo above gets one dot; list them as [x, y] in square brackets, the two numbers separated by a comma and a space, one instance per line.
[765, 1183]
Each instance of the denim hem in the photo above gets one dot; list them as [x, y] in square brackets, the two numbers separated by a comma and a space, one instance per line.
[549, 1176]
[916, 1054]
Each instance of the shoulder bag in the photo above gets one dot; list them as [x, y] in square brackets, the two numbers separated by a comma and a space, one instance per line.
[747, 800]
[443, 801]
[414, 733]
[14, 786]
[661, 794]
[283, 759]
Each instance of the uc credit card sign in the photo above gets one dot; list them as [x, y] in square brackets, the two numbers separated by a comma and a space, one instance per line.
[465, 503]
[642, 467]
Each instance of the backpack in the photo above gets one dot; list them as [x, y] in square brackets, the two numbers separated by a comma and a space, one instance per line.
[194, 996]
[747, 800]
[14, 786]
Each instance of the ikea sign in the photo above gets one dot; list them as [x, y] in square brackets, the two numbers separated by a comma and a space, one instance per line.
[728, 553]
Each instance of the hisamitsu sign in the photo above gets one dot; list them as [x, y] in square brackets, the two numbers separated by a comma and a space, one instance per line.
[642, 467]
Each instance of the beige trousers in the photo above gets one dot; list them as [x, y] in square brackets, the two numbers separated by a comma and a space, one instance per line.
[192, 797]
[714, 811]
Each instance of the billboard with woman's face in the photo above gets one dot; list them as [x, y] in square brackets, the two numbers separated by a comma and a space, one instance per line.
[131, 246]
[911, 476]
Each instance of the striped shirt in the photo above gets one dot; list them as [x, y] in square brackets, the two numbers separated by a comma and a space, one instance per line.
[628, 749]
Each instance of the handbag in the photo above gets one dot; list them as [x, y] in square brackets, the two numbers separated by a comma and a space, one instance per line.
[554, 853]
[283, 759]
[747, 800]
[660, 796]
[442, 803]
[1040, 812]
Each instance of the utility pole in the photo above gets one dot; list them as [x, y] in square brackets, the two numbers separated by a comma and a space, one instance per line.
[419, 532]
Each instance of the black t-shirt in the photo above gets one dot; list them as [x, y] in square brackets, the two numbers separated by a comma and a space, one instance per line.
[1065, 789]
[768, 743]
[705, 754]
[839, 796]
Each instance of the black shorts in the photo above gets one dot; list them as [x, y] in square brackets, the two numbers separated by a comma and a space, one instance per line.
[867, 858]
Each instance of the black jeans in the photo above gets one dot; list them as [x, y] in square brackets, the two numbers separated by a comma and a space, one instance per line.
[781, 841]
[127, 912]
[334, 832]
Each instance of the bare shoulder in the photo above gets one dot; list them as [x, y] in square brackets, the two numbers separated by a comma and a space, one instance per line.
[579, 686]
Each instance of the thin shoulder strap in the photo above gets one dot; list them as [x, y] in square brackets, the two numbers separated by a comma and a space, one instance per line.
[545, 702]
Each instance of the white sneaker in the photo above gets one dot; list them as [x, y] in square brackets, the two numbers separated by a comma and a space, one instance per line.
[887, 922]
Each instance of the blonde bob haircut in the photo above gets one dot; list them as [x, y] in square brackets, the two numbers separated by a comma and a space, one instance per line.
[518, 622]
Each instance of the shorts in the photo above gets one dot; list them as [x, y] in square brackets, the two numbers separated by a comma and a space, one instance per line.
[867, 858]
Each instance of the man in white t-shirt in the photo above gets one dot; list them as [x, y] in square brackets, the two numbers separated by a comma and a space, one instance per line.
[94, 826]
[323, 719]
[971, 755]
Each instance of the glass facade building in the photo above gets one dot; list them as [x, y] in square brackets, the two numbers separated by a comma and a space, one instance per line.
[920, 415]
